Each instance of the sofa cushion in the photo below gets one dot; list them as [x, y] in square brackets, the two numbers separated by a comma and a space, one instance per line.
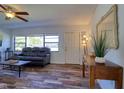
[28, 58]
[41, 54]
[26, 53]
[33, 54]
[35, 49]
[27, 49]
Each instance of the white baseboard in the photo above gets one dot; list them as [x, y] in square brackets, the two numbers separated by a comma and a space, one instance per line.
[57, 62]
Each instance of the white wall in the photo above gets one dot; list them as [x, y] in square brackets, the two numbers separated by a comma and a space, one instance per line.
[57, 57]
[114, 55]
[5, 42]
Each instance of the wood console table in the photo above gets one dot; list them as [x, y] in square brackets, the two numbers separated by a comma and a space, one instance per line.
[106, 71]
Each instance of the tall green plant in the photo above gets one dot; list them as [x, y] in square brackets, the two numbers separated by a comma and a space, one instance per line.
[99, 45]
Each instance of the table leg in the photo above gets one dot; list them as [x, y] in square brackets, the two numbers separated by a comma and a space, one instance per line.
[119, 80]
[118, 84]
[92, 77]
[83, 69]
[19, 70]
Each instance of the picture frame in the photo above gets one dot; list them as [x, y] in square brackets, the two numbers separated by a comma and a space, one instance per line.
[1, 39]
[109, 25]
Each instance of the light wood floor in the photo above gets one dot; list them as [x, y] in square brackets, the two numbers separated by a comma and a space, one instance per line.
[52, 76]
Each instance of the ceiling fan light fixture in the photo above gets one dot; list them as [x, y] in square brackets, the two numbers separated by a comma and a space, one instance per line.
[10, 14]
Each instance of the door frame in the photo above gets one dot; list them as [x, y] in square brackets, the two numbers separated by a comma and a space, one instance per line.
[80, 48]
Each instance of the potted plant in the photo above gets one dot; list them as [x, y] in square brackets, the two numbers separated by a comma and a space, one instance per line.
[99, 46]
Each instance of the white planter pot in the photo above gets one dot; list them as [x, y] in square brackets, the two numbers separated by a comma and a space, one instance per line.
[100, 60]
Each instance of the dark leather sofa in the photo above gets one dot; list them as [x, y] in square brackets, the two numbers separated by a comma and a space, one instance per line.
[37, 56]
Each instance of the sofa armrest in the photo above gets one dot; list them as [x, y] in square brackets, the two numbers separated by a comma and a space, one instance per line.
[47, 58]
[47, 55]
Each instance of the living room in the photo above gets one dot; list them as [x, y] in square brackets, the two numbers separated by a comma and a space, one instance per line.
[60, 28]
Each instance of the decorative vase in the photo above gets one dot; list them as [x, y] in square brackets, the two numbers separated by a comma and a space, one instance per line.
[100, 60]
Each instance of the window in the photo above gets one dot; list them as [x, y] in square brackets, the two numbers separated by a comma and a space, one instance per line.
[35, 41]
[19, 43]
[52, 42]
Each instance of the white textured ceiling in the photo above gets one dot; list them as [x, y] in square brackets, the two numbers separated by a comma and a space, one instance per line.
[52, 14]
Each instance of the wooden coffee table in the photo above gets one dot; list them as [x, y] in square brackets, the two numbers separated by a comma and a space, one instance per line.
[14, 65]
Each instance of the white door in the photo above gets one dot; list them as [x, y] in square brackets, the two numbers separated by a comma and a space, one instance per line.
[72, 47]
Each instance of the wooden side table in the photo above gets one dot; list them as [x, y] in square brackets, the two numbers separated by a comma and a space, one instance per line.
[107, 71]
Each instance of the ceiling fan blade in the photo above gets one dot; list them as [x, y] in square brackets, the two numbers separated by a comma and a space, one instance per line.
[22, 18]
[22, 13]
[2, 7]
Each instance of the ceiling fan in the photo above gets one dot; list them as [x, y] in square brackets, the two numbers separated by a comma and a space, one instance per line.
[10, 13]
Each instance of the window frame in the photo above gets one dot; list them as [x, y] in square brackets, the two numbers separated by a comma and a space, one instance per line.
[53, 42]
[34, 36]
[38, 36]
[15, 42]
